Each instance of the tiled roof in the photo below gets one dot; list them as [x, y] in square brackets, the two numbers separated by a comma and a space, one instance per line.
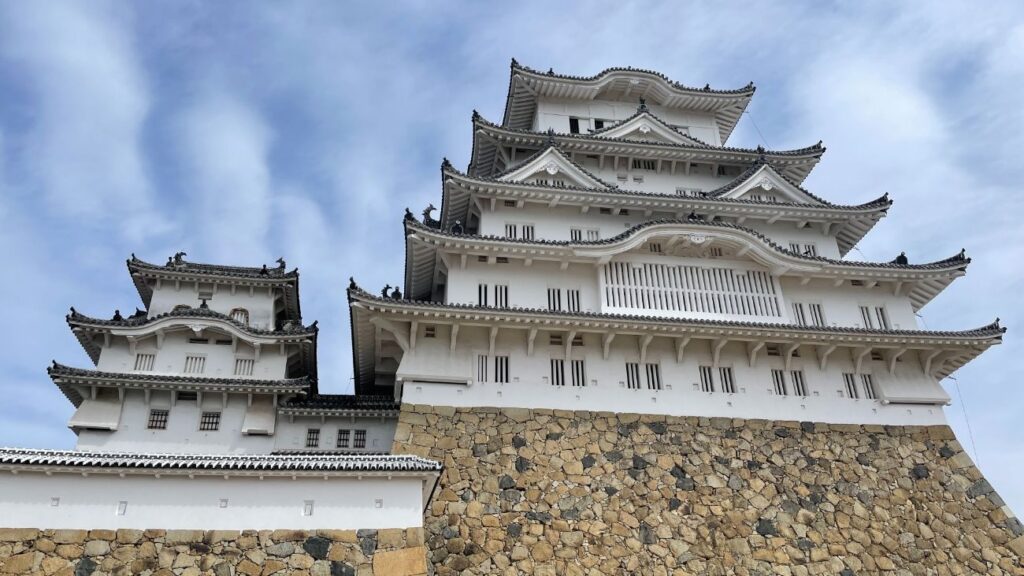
[180, 265]
[746, 90]
[61, 371]
[883, 202]
[291, 329]
[987, 331]
[954, 262]
[176, 267]
[17, 457]
[331, 402]
[816, 149]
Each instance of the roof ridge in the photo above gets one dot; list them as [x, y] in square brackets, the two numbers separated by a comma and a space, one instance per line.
[816, 148]
[57, 369]
[177, 263]
[329, 461]
[884, 199]
[749, 88]
[132, 321]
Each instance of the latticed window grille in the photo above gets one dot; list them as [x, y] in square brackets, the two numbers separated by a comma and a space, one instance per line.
[799, 383]
[157, 420]
[557, 372]
[481, 368]
[579, 373]
[866, 317]
[798, 314]
[779, 382]
[633, 375]
[209, 421]
[728, 381]
[685, 288]
[313, 438]
[554, 299]
[144, 362]
[240, 315]
[344, 437]
[869, 386]
[653, 376]
[244, 366]
[707, 382]
[883, 317]
[817, 314]
[501, 296]
[501, 369]
[572, 300]
[195, 364]
[850, 381]
[360, 439]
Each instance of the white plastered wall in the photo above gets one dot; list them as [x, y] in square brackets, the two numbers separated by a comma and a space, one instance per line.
[530, 387]
[27, 500]
[555, 113]
[259, 303]
[220, 358]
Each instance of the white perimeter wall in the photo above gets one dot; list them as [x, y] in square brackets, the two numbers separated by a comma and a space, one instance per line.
[177, 502]
[529, 385]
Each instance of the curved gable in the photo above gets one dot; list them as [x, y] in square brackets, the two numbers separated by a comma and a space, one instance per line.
[764, 184]
[551, 167]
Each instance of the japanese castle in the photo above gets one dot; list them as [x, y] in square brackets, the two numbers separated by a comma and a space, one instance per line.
[604, 252]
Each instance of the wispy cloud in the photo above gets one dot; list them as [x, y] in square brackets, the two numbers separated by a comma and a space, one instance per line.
[223, 145]
[88, 105]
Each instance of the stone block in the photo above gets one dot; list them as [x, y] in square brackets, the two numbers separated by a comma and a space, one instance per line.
[405, 562]
[173, 537]
[18, 534]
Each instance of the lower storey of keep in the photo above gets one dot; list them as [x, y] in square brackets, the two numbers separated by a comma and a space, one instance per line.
[569, 493]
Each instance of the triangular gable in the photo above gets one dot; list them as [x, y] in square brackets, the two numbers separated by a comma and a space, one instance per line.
[648, 128]
[766, 181]
[552, 164]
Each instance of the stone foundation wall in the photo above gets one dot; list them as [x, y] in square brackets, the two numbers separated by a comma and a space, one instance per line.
[579, 493]
[217, 553]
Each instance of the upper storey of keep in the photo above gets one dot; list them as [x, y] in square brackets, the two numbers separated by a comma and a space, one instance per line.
[261, 297]
[538, 101]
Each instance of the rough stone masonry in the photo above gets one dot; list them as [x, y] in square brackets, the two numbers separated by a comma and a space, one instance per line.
[551, 492]
[216, 553]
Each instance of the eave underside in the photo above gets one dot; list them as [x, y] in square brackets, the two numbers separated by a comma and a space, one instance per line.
[946, 351]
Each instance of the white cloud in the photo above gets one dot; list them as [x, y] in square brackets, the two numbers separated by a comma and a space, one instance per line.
[90, 105]
[224, 145]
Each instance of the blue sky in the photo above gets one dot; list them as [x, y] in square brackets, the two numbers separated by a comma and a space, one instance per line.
[240, 132]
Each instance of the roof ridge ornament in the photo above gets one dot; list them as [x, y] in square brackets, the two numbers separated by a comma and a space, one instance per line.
[642, 107]
[551, 138]
[281, 263]
[901, 259]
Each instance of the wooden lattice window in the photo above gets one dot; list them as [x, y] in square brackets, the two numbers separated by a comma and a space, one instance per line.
[240, 315]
